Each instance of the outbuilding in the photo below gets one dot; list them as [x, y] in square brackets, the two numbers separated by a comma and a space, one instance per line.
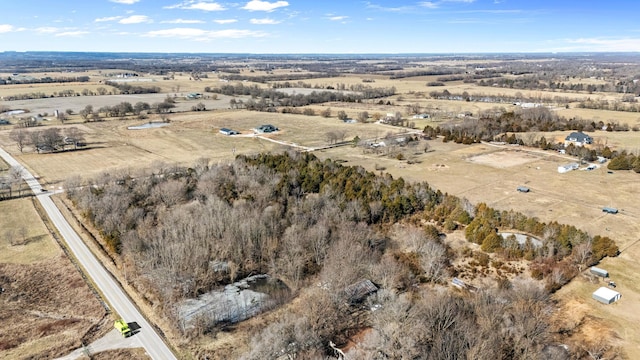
[225, 131]
[523, 189]
[610, 210]
[566, 168]
[599, 272]
[606, 295]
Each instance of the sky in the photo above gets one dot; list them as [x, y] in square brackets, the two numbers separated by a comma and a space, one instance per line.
[320, 26]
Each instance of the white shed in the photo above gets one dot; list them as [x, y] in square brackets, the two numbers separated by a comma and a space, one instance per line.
[606, 295]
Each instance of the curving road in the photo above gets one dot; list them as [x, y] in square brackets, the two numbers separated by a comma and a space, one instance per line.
[111, 290]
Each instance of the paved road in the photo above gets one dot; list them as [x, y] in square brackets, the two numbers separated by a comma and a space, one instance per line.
[111, 290]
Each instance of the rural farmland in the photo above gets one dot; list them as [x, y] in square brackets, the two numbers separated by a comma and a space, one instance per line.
[315, 201]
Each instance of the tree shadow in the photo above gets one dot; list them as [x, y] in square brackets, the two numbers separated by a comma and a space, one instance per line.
[30, 240]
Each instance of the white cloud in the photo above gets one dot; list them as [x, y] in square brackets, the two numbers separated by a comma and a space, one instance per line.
[199, 34]
[5, 28]
[429, 4]
[225, 21]
[135, 19]
[264, 21]
[72, 33]
[47, 30]
[399, 9]
[183, 21]
[197, 5]
[108, 18]
[338, 18]
[257, 5]
[127, 2]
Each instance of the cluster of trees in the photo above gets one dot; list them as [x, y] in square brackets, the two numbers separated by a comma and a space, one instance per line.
[502, 98]
[495, 122]
[614, 105]
[270, 98]
[564, 244]
[308, 221]
[624, 161]
[9, 181]
[139, 109]
[127, 88]
[263, 79]
[42, 80]
[61, 93]
[48, 140]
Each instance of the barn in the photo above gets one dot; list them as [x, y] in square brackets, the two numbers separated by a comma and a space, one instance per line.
[606, 295]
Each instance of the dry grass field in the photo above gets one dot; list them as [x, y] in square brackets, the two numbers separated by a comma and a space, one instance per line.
[46, 307]
[33, 243]
[481, 173]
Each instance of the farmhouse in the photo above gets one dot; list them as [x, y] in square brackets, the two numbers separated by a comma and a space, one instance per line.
[566, 168]
[606, 295]
[225, 131]
[578, 139]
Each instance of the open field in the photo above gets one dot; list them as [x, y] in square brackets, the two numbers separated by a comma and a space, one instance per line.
[46, 307]
[188, 137]
[31, 238]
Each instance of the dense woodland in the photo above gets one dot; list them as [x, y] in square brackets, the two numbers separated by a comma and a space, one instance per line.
[308, 222]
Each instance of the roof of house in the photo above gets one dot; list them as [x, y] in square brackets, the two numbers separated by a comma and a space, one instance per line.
[606, 293]
[578, 136]
[358, 291]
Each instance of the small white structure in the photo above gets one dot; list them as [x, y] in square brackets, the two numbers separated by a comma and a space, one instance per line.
[225, 131]
[606, 295]
[566, 168]
[599, 272]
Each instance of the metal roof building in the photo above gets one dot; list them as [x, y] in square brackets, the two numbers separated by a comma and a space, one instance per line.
[606, 295]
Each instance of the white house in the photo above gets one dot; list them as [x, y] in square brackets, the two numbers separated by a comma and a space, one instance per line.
[578, 139]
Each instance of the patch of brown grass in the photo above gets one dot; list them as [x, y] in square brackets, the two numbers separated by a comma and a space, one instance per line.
[46, 309]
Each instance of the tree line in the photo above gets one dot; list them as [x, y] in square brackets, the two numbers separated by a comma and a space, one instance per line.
[270, 98]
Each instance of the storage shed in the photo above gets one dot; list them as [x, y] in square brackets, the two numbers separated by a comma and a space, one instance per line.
[599, 272]
[523, 189]
[606, 295]
[610, 210]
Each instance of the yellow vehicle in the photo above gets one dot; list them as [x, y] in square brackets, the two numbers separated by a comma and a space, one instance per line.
[123, 327]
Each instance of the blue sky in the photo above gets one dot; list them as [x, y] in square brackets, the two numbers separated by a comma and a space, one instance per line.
[301, 26]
